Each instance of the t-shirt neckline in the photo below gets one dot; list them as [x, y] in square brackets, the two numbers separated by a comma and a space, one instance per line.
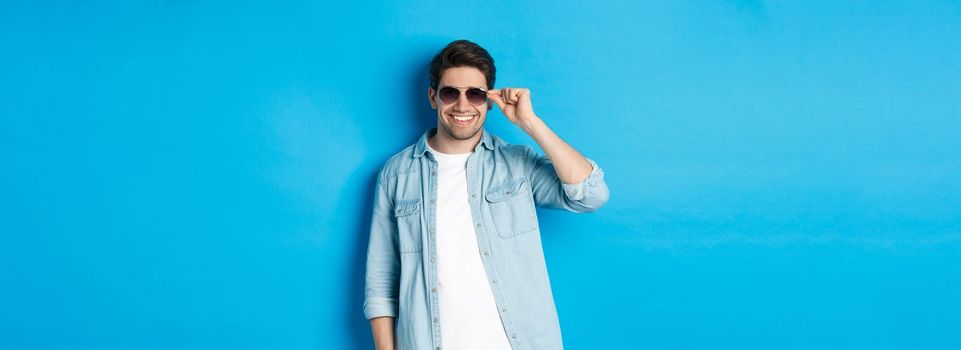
[447, 155]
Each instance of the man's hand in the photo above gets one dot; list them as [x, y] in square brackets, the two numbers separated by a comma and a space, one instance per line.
[514, 103]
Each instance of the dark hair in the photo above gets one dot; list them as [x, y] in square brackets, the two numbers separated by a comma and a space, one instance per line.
[462, 53]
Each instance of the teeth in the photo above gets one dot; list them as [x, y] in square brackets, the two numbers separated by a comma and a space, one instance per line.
[463, 118]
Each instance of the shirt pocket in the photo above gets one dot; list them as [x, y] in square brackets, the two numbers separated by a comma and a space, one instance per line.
[407, 211]
[512, 208]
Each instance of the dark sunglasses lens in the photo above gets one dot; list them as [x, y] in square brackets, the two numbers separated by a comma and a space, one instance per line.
[448, 95]
[476, 96]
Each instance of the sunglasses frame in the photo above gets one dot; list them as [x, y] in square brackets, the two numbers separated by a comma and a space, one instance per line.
[463, 91]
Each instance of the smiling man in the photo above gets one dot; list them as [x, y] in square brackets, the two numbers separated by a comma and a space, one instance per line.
[455, 247]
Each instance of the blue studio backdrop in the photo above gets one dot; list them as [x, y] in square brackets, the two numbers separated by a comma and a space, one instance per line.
[199, 175]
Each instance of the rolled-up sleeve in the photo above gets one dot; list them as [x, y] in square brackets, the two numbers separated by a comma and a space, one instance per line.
[549, 192]
[383, 258]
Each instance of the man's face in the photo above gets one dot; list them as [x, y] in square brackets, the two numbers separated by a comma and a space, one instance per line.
[461, 78]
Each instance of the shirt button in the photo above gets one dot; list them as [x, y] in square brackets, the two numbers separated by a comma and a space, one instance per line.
[433, 173]
[478, 225]
[485, 252]
[503, 310]
[438, 348]
[494, 281]
[514, 336]
[433, 290]
[435, 320]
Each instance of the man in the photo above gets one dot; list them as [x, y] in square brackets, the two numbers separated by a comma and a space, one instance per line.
[455, 250]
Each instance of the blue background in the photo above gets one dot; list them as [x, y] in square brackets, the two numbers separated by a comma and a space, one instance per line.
[783, 174]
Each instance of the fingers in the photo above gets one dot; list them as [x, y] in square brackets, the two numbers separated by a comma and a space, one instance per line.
[495, 95]
[515, 94]
[508, 95]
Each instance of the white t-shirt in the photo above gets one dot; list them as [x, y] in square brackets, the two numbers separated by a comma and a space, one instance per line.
[468, 314]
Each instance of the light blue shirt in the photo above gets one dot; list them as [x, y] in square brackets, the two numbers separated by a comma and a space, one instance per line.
[505, 182]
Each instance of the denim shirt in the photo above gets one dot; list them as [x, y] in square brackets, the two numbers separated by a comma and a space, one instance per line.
[505, 182]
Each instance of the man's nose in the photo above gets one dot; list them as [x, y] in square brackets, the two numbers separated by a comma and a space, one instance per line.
[462, 103]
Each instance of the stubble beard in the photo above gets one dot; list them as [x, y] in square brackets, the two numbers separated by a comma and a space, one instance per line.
[460, 133]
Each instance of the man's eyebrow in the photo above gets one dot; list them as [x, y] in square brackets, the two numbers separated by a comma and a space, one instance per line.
[458, 87]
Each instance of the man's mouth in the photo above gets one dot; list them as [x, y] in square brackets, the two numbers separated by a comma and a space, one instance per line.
[463, 119]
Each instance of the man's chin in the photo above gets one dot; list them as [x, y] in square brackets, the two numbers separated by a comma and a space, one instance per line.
[468, 137]
[461, 134]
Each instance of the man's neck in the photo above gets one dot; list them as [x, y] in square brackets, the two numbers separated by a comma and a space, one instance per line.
[443, 143]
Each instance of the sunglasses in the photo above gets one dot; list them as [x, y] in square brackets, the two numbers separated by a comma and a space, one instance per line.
[449, 95]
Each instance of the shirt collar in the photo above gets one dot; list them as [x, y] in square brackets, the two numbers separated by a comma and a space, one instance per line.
[421, 146]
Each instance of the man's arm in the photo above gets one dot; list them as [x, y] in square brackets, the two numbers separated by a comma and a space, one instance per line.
[571, 167]
[383, 331]
[567, 183]
[383, 269]
[515, 104]
[563, 179]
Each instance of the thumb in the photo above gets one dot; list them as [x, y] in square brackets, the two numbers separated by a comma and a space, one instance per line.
[496, 97]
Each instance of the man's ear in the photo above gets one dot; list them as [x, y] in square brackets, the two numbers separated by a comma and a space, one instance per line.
[430, 97]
